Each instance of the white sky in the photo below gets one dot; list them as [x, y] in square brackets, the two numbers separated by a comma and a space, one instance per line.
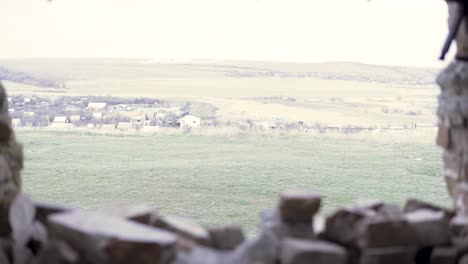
[397, 32]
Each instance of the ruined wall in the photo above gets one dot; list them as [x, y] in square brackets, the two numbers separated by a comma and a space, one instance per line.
[11, 153]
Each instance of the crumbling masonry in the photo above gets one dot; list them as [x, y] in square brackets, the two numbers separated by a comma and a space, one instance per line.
[366, 232]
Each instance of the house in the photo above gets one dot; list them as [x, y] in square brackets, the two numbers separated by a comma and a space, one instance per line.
[108, 126]
[334, 128]
[60, 122]
[138, 122]
[16, 122]
[124, 125]
[70, 108]
[189, 121]
[97, 115]
[28, 114]
[97, 106]
[74, 118]
[60, 119]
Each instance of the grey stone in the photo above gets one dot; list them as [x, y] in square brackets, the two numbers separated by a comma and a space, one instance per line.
[443, 255]
[58, 252]
[412, 205]
[270, 222]
[375, 232]
[459, 231]
[342, 226]
[184, 227]
[262, 249]
[5, 204]
[295, 251]
[139, 213]
[3, 257]
[21, 217]
[44, 210]
[5, 172]
[298, 206]
[107, 239]
[391, 255]
[463, 259]
[431, 227]
[202, 255]
[226, 237]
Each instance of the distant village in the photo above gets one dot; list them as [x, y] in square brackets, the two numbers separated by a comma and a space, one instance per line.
[98, 112]
[123, 114]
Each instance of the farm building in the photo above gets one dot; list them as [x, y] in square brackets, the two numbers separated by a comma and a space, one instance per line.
[189, 121]
[97, 115]
[75, 118]
[60, 122]
[124, 125]
[60, 119]
[138, 122]
[97, 106]
[16, 122]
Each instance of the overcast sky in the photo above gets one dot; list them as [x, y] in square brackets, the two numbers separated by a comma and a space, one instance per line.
[396, 32]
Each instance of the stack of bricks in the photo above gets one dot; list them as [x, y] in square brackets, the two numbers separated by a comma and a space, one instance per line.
[11, 153]
[453, 127]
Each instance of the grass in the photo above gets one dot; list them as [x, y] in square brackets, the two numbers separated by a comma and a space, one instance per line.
[217, 179]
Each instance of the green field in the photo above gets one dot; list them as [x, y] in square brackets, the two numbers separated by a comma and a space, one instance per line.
[219, 179]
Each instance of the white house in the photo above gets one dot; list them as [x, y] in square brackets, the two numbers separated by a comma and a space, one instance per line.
[28, 114]
[60, 122]
[138, 122]
[97, 106]
[189, 121]
[16, 122]
[60, 119]
[75, 118]
[124, 125]
[97, 115]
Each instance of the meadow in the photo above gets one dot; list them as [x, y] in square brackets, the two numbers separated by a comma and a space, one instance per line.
[219, 179]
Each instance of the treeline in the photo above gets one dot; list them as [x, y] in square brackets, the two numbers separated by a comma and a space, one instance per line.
[26, 78]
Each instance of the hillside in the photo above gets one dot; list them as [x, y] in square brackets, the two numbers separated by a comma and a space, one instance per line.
[89, 69]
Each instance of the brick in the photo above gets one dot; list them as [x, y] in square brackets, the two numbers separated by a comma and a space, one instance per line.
[44, 210]
[443, 255]
[184, 227]
[138, 213]
[390, 255]
[5, 172]
[5, 129]
[459, 139]
[459, 231]
[463, 259]
[412, 205]
[298, 206]
[296, 251]
[227, 237]
[443, 136]
[58, 252]
[377, 232]
[108, 239]
[3, 257]
[451, 182]
[5, 204]
[460, 197]
[430, 227]
[342, 226]
[270, 222]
